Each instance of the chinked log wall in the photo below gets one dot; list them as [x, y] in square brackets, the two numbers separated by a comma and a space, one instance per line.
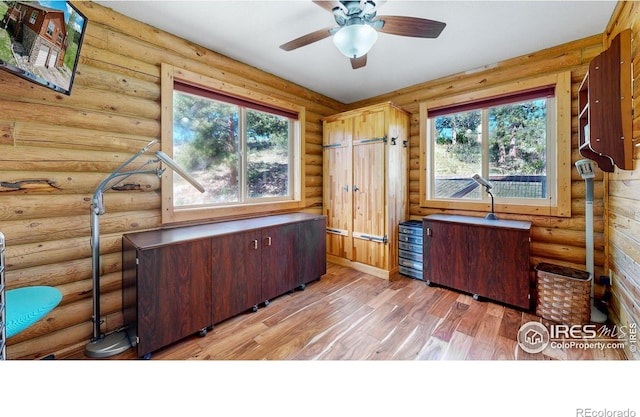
[56, 149]
[623, 201]
[558, 240]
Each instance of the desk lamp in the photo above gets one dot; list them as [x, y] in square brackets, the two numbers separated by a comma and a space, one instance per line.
[488, 186]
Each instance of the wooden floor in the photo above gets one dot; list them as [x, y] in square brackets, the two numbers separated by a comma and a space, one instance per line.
[349, 315]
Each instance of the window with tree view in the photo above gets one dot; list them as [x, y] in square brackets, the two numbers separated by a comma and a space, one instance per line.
[509, 140]
[240, 152]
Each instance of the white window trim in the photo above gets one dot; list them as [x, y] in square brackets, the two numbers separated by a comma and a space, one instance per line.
[560, 205]
[171, 214]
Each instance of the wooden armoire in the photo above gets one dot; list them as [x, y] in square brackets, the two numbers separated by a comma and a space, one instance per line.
[365, 154]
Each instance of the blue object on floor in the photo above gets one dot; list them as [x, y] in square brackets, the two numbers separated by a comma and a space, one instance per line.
[27, 305]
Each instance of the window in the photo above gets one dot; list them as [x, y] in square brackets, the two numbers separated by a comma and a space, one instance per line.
[511, 137]
[244, 149]
[50, 28]
[34, 17]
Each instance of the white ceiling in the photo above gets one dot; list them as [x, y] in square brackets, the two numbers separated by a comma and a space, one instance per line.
[478, 33]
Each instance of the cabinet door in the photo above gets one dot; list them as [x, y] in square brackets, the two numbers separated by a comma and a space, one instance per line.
[369, 172]
[311, 257]
[174, 297]
[236, 279]
[337, 132]
[369, 124]
[499, 265]
[369, 219]
[446, 254]
[279, 249]
[338, 200]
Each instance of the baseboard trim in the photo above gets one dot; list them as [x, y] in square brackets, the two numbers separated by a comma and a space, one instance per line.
[371, 270]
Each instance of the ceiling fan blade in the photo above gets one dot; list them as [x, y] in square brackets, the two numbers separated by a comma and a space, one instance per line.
[380, 3]
[359, 62]
[330, 5]
[411, 26]
[307, 39]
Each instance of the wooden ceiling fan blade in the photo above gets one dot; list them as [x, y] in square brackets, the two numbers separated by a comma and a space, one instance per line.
[330, 5]
[307, 39]
[359, 62]
[411, 26]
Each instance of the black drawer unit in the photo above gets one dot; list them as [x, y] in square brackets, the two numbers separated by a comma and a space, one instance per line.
[410, 248]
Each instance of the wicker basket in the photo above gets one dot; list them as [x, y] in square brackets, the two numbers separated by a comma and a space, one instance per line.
[563, 294]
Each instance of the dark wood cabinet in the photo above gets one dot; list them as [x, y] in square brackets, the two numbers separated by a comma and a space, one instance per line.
[183, 287]
[445, 254]
[605, 106]
[181, 281]
[278, 252]
[312, 242]
[237, 279]
[486, 258]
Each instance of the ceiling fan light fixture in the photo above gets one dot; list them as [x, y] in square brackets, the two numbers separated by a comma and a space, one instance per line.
[354, 41]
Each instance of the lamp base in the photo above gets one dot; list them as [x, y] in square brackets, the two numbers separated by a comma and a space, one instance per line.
[109, 345]
[597, 316]
[491, 216]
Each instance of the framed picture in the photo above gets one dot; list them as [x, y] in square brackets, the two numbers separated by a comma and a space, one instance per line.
[40, 41]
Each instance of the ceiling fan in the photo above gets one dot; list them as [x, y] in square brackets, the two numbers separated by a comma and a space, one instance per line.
[358, 27]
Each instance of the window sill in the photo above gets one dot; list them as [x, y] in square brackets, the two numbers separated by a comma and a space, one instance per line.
[499, 208]
[192, 214]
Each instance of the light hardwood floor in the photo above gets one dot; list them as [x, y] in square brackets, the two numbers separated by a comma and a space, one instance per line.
[349, 315]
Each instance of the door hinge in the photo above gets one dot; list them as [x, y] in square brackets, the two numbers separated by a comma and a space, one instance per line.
[332, 145]
[382, 239]
[382, 139]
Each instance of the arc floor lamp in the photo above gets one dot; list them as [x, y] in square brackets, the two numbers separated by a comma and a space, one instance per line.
[105, 345]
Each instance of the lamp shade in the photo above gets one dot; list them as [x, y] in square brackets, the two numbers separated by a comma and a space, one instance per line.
[586, 168]
[355, 40]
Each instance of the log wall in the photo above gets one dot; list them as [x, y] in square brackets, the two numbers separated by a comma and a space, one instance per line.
[56, 149]
[623, 195]
[557, 240]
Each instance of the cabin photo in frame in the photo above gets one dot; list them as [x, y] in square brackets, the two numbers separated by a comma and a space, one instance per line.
[40, 41]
